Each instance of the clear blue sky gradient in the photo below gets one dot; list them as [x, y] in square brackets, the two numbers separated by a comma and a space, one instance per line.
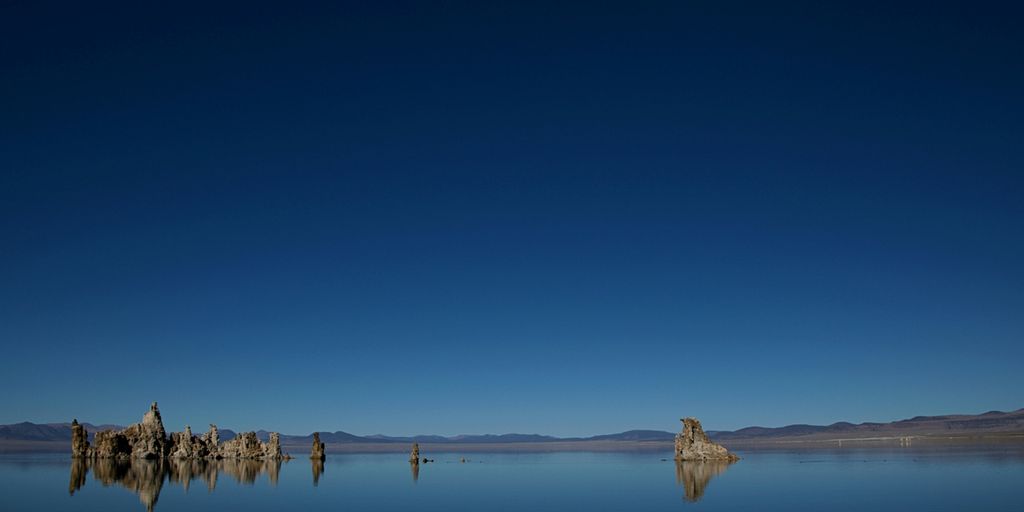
[454, 218]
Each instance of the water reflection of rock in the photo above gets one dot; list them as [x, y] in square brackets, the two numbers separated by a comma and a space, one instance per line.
[695, 475]
[318, 469]
[415, 472]
[146, 477]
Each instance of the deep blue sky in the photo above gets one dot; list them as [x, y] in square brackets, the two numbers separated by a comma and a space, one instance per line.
[449, 218]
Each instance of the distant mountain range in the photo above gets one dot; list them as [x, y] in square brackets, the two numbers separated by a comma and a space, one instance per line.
[61, 432]
[989, 423]
[992, 422]
[26, 431]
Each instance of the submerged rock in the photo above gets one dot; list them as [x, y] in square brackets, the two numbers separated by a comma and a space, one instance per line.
[318, 448]
[693, 444]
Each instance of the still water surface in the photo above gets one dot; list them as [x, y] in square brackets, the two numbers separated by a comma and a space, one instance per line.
[931, 478]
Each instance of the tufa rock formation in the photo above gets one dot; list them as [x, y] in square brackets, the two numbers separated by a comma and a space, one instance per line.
[79, 440]
[414, 456]
[110, 445]
[247, 446]
[145, 440]
[318, 448]
[212, 437]
[184, 445]
[272, 450]
[148, 440]
[693, 444]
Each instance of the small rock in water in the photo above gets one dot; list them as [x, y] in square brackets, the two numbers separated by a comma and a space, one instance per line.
[318, 448]
[693, 444]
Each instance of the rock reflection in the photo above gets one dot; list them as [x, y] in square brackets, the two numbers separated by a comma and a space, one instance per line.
[318, 469]
[78, 472]
[415, 472]
[694, 476]
[146, 477]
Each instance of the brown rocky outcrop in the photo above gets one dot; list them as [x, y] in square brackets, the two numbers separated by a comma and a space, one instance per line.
[184, 445]
[79, 440]
[149, 440]
[693, 444]
[110, 445]
[211, 442]
[248, 446]
[272, 448]
[317, 453]
[243, 446]
[414, 455]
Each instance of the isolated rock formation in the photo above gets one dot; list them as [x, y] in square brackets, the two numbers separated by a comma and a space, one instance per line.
[693, 444]
[414, 456]
[318, 448]
[148, 440]
[79, 440]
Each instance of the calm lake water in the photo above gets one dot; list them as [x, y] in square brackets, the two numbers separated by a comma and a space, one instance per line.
[930, 478]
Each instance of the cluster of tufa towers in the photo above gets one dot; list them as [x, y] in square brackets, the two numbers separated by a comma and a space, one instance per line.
[148, 440]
